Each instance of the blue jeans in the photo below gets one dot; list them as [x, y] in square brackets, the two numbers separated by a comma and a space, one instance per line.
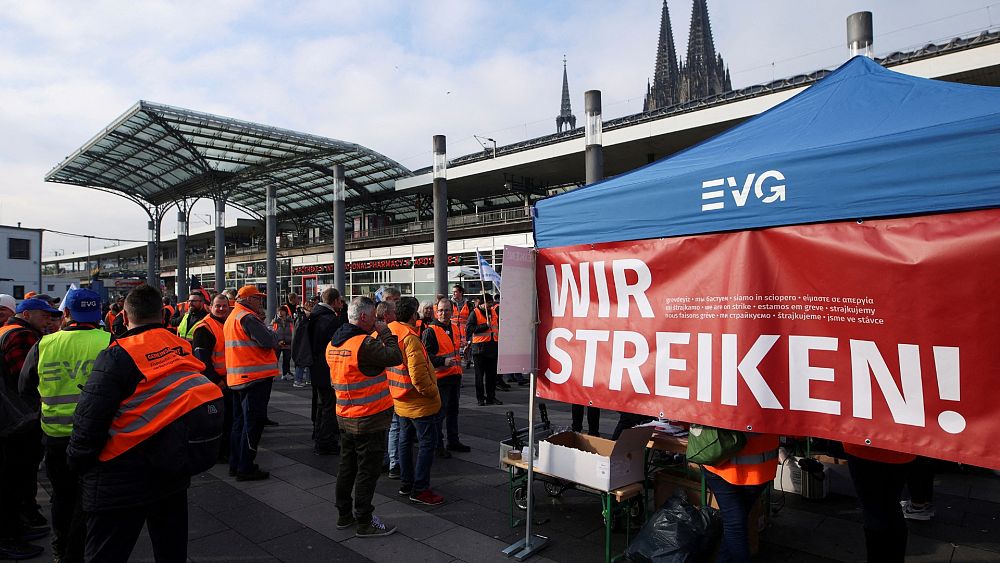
[301, 374]
[249, 414]
[425, 429]
[450, 387]
[391, 457]
[735, 504]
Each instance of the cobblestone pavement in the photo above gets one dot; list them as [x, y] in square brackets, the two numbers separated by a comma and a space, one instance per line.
[291, 516]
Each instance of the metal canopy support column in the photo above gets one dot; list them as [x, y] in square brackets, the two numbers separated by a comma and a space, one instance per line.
[339, 230]
[440, 215]
[271, 236]
[181, 285]
[151, 255]
[592, 135]
[220, 244]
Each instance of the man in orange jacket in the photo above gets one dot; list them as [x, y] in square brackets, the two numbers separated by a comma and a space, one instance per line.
[251, 366]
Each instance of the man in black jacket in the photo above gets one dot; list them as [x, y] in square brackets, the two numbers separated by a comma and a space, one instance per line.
[131, 455]
[324, 320]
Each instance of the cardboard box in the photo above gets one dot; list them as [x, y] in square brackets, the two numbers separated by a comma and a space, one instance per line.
[665, 484]
[597, 463]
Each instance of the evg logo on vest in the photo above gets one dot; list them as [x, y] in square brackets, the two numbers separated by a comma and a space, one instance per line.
[716, 198]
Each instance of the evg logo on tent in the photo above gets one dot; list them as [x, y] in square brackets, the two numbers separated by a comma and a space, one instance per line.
[716, 199]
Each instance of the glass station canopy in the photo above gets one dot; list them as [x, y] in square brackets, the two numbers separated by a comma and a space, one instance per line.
[156, 155]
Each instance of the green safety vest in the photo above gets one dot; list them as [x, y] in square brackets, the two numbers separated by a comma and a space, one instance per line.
[184, 330]
[65, 360]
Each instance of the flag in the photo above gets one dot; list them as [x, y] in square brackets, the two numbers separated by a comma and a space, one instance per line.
[62, 304]
[486, 272]
[379, 293]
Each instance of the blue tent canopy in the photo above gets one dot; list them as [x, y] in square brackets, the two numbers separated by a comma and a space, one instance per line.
[863, 142]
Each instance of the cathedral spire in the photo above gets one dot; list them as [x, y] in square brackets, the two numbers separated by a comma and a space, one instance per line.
[566, 116]
[705, 71]
[665, 73]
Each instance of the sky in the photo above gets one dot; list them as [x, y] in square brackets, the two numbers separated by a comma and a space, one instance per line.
[387, 75]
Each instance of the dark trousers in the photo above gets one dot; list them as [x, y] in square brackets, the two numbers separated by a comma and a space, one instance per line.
[68, 523]
[628, 420]
[486, 376]
[111, 534]
[879, 487]
[227, 424]
[421, 432]
[20, 455]
[593, 419]
[249, 415]
[735, 504]
[325, 420]
[360, 466]
[920, 480]
[285, 359]
[450, 389]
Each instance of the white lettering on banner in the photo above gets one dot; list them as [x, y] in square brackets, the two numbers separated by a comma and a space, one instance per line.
[798, 362]
[630, 352]
[740, 196]
[561, 291]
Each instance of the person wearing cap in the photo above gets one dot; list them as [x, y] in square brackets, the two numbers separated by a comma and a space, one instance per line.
[251, 366]
[21, 452]
[54, 372]
[8, 306]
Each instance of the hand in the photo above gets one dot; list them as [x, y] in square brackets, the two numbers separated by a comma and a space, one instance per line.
[449, 361]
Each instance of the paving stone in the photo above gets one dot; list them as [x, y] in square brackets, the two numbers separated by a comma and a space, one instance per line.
[260, 524]
[201, 522]
[322, 518]
[924, 549]
[283, 496]
[307, 546]
[411, 520]
[468, 545]
[397, 547]
[966, 554]
[227, 546]
[303, 476]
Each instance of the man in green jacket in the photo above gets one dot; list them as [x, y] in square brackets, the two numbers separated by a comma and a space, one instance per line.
[196, 312]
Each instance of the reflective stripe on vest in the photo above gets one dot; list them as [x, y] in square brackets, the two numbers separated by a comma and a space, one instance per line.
[65, 360]
[357, 394]
[490, 335]
[211, 324]
[172, 386]
[753, 465]
[246, 361]
[400, 383]
[446, 348]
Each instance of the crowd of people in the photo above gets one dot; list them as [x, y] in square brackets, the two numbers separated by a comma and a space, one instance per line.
[125, 402]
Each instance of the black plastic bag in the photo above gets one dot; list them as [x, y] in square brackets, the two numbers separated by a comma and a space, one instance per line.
[677, 533]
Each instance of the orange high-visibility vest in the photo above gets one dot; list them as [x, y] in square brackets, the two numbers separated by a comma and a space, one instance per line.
[109, 319]
[459, 321]
[217, 329]
[357, 394]
[246, 361]
[400, 384]
[878, 454]
[755, 464]
[173, 386]
[491, 334]
[446, 347]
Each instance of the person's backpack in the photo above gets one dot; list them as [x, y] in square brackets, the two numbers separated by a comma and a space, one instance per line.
[204, 431]
[708, 445]
[302, 342]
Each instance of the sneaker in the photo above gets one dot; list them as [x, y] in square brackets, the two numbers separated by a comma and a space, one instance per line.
[255, 475]
[34, 533]
[269, 422]
[307, 382]
[18, 550]
[443, 453]
[427, 497]
[406, 490]
[375, 529]
[459, 447]
[482, 403]
[344, 522]
[494, 402]
[911, 512]
[394, 472]
[298, 385]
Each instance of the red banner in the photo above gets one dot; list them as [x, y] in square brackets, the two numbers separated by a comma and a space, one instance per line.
[882, 332]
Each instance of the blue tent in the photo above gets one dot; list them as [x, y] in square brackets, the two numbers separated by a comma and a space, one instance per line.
[863, 142]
